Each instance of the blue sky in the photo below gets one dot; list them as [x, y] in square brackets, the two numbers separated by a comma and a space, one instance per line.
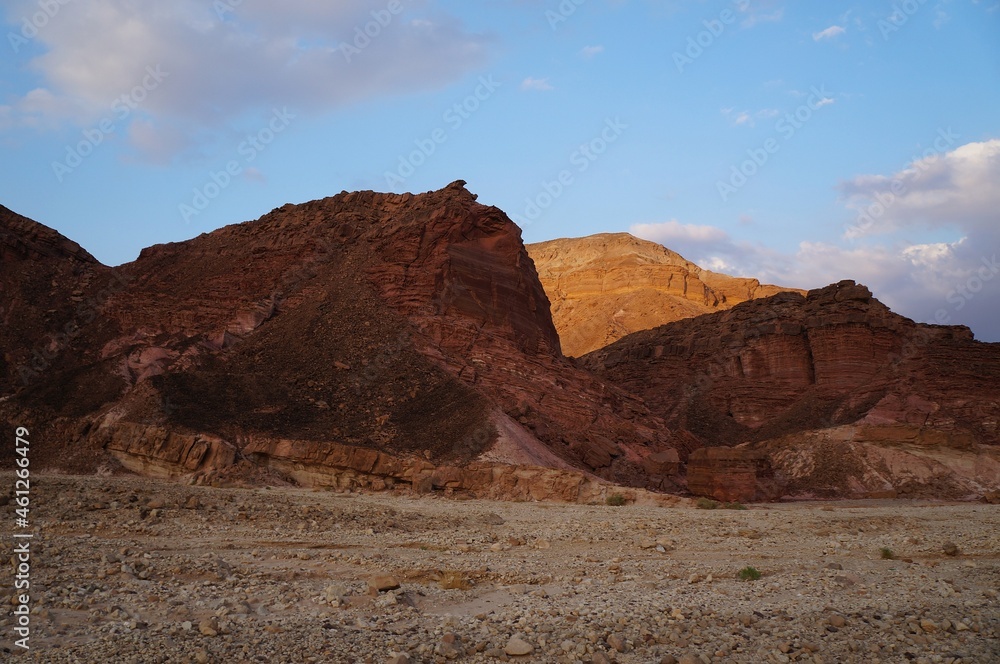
[797, 142]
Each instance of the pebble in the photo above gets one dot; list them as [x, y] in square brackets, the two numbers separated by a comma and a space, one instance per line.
[517, 647]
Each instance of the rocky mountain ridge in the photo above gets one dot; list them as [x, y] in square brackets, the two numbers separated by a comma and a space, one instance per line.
[388, 341]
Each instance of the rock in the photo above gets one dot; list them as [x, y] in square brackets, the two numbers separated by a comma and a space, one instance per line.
[689, 659]
[209, 627]
[603, 287]
[929, 626]
[950, 549]
[727, 474]
[835, 566]
[201, 657]
[382, 583]
[599, 658]
[668, 659]
[768, 373]
[617, 641]
[192, 503]
[837, 621]
[518, 647]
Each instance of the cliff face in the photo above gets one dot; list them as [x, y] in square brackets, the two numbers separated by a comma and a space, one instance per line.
[794, 375]
[604, 287]
[411, 325]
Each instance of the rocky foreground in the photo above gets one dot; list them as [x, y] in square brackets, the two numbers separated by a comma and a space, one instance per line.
[130, 570]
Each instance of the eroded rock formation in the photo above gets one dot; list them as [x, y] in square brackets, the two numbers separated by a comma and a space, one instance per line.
[604, 287]
[844, 396]
[409, 325]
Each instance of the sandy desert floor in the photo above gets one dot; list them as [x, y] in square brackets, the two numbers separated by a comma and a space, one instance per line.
[128, 569]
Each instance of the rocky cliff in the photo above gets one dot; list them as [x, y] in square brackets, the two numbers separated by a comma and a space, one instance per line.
[410, 325]
[844, 396]
[604, 287]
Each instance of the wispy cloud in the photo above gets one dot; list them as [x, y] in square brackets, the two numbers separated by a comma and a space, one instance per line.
[829, 33]
[591, 51]
[537, 84]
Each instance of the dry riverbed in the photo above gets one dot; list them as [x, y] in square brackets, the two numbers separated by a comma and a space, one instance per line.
[128, 569]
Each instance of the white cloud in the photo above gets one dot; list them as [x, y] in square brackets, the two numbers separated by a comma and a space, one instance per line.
[829, 33]
[738, 118]
[672, 232]
[591, 51]
[539, 84]
[947, 189]
[225, 66]
[956, 280]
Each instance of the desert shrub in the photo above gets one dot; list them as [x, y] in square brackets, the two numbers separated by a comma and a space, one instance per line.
[749, 574]
[615, 500]
[734, 506]
[706, 504]
[887, 553]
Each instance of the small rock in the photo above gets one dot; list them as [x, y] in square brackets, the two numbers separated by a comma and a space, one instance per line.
[689, 659]
[837, 621]
[599, 658]
[382, 583]
[192, 503]
[209, 627]
[950, 549]
[617, 642]
[836, 566]
[928, 626]
[201, 657]
[399, 658]
[668, 659]
[518, 647]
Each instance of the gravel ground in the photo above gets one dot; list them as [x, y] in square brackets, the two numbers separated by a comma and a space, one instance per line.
[127, 569]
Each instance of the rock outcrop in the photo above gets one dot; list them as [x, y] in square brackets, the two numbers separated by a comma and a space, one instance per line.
[410, 325]
[791, 374]
[604, 287]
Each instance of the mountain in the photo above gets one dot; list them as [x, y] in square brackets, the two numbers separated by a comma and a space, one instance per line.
[834, 392]
[373, 340]
[356, 338]
[604, 287]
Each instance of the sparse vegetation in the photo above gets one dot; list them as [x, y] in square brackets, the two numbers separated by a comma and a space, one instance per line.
[615, 500]
[749, 573]
[887, 553]
[734, 506]
[707, 504]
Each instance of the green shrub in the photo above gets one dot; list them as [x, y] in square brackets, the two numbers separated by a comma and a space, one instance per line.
[749, 574]
[734, 506]
[887, 553]
[615, 500]
[706, 504]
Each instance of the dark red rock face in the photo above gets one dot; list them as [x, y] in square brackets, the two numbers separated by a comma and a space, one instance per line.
[402, 323]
